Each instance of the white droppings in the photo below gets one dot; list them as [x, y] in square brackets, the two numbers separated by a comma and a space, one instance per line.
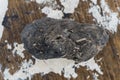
[57, 14]
[106, 18]
[18, 49]
[3, 9]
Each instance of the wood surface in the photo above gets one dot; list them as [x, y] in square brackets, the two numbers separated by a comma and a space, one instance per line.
[18, 16]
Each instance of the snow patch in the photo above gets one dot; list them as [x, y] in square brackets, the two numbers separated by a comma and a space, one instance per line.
[57, 14]
[9, 46]
[105, 17]
[48, 3]
[44, 1]
[91, 65]
[51, 8]
[69, 5]
[59, 66]
[3, 9]
[43, 67]
[18, 49]
[95, 76]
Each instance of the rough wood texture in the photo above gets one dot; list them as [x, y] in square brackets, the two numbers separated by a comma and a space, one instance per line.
[18, 16]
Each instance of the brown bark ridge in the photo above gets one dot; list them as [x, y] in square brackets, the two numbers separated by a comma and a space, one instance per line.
[18, 15]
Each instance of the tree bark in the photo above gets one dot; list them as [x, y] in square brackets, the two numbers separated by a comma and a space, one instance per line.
[17, 16]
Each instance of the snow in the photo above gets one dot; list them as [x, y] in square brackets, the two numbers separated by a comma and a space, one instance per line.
[51, 8]
[109, 19]
[44, 1]
[69, 5]
[52, 13]
[91, 65]
[9, 46]
[3, 9]
[18, 49]
[28, 69]
[44, 67]
[95, 76]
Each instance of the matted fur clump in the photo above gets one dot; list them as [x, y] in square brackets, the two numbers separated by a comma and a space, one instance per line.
[48, 38]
